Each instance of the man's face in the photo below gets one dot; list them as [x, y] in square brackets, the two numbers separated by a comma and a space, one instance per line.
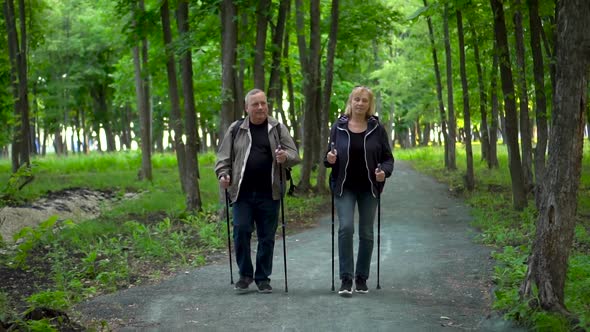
[257, 108]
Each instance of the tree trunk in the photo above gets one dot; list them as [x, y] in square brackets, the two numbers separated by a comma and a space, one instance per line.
[325, 109]
[439, 94]
[417, 133]
[23, 89]
[18, 61]
[229, 43]
[12, 41]
[291, 96]
[96, 128]
[99, 95]
[110, 136]
[141, 92]
[493, 156]
[58, 143]
[547, 265]
[484, 130]
[540, 98]
[44, 144]
[175, 117]
[126, 130]
[274, 82]
[548, 44]
[145, 172]
[262, 15]
[35, 130]
[469, 177]
[426, 134]
[85, 147]
[191, 180]
[310, 63]
[519, 198]
[450, 104]
[525, 127]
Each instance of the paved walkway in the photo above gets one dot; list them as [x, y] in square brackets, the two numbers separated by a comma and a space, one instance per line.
[433, 277]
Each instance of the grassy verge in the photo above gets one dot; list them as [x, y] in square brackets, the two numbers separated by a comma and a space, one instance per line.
[134, 241]
[511, 234]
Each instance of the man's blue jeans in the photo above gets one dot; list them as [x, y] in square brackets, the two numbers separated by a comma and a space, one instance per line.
[345, 206]
[258, 209]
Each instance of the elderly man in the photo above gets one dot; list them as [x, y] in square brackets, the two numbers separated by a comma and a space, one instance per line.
[248, 166]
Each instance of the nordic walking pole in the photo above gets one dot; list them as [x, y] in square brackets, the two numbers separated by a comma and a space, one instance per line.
[231, 274]
[333, 151]
[333, 242]
[283, 221]
[378, 231]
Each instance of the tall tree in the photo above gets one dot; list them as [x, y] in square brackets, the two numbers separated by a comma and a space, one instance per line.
[540, 98]
[142, 91]
[175, 116]
[548, 262]
[229, 43]
[439, 94]
[327, 92]
[493, 156]
[262, 18]
[525, 128]
[469, 177]
[191, 172]
[291, 94]
[519, 198]
[275, 90]
[18, 60]
[310, 64]
[452, 136]
[484, 130]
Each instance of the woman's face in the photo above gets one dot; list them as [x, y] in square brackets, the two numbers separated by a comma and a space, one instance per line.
[360, 103]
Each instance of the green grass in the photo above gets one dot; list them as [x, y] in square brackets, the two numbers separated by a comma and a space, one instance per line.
[134, 241]
[511, 233]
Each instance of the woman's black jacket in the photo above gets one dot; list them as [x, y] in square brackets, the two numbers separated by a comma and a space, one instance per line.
[377, 151]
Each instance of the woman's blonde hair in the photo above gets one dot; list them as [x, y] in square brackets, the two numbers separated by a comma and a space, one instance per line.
[355, 92]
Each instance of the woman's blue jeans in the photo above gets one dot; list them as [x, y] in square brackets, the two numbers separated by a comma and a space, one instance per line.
[261, 210]
[345, 207]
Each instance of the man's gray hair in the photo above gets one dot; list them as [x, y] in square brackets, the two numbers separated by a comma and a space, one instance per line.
[251, 93]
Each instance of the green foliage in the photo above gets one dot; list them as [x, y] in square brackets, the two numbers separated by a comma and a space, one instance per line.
[33, 238]
[357, 31]
[57, 300]
[500, 225]
[578, 287]
[43, 325]
[509, 272]
[10, 194]
[6, 312]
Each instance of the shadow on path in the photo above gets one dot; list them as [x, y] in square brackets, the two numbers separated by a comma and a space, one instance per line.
[432, 277]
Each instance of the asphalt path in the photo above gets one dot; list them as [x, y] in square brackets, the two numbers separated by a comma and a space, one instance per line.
[433, 277]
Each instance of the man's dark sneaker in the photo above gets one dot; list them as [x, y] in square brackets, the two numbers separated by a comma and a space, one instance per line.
[360, 285]
[264, 287]
[346, 288]
[243, 284]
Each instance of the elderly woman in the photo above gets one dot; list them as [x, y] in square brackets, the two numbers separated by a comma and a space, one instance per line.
[360, 158]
